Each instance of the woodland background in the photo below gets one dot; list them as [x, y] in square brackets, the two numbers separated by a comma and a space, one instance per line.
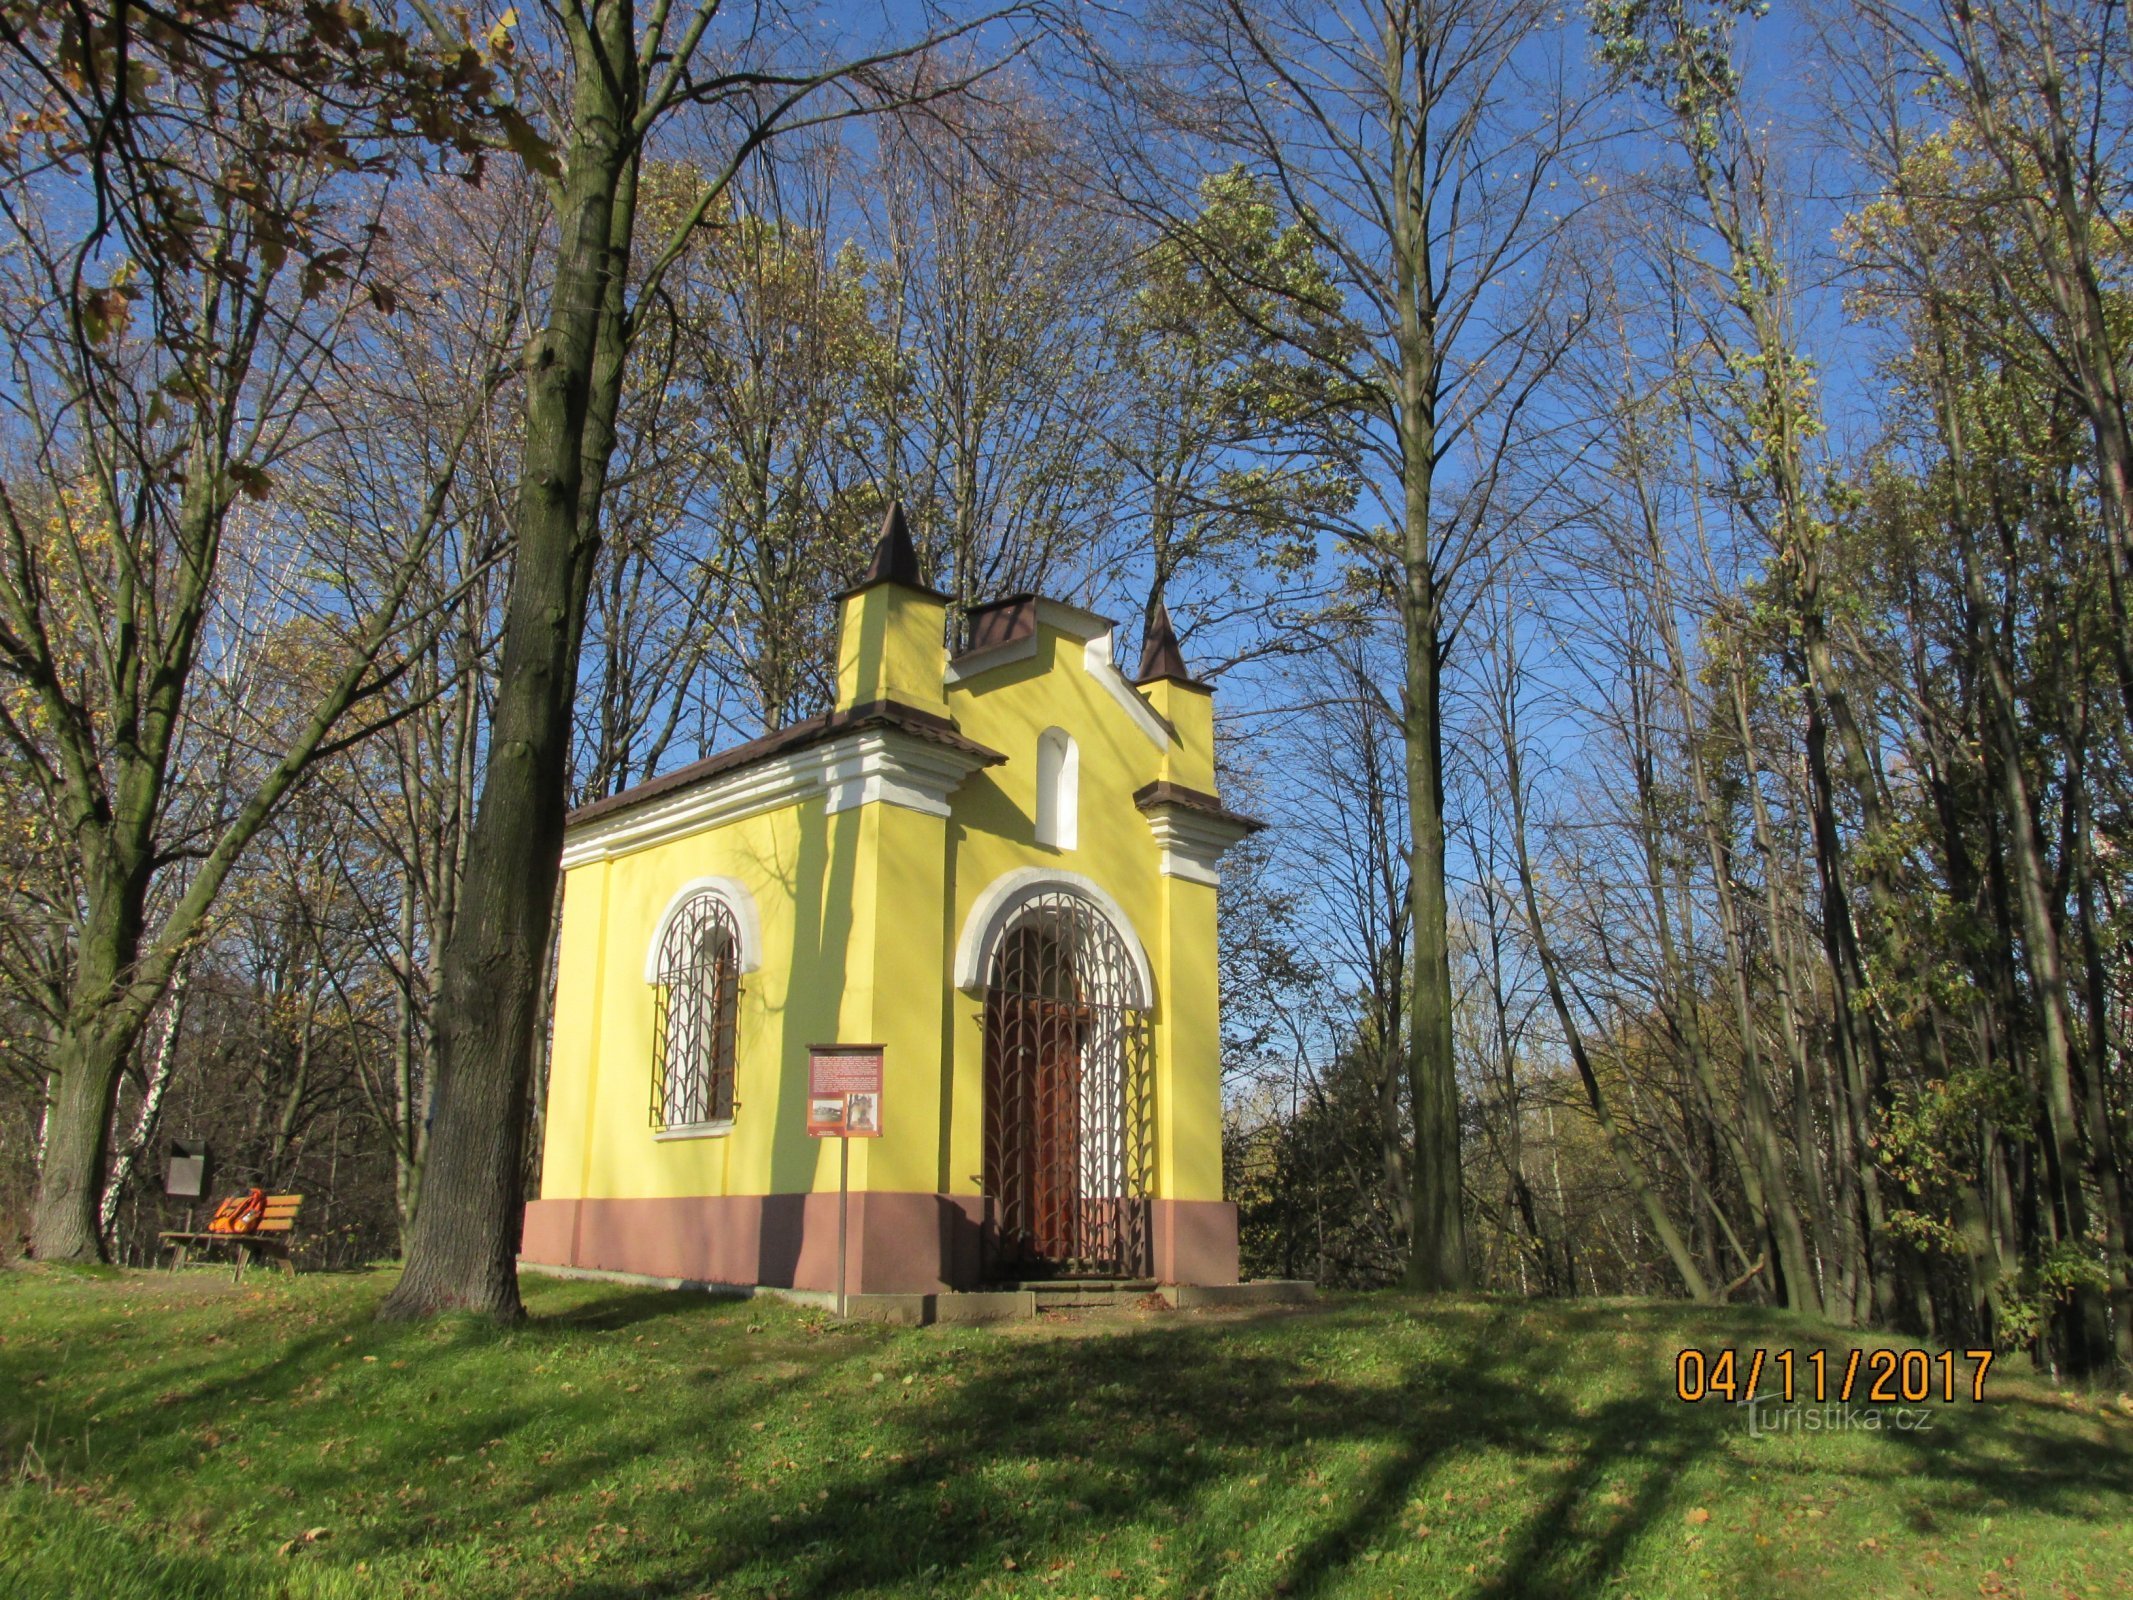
[1681, 448]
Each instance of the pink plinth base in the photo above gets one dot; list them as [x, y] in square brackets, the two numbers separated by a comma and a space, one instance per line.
[1195, 1241]
[900, 1243]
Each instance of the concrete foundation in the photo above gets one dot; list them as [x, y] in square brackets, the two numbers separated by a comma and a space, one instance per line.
[980, 1305]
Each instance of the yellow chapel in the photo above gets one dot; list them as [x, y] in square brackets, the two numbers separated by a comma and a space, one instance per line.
[995, 872]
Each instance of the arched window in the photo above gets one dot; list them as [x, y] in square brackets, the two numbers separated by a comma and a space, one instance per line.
[698, 977]
[1058, 789]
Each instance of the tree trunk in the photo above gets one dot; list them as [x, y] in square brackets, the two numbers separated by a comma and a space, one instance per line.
[1757, 1151]
[1618, 1144]
[2075, 1130]
[89, 1051]
[1437, 1256]
[465, 1235]
[85, 1073]
[1437, 1253]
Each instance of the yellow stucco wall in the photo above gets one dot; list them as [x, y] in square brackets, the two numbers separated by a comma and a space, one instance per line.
[860, 913]
[995, 819]
[890, 647]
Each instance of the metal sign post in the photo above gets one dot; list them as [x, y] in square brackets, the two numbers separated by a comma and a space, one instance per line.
[844, 1211]
[844, 1103]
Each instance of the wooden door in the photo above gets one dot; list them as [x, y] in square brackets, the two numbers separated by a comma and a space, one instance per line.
[1033, 1105]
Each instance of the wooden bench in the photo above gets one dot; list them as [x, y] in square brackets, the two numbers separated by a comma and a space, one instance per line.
[270, 1239]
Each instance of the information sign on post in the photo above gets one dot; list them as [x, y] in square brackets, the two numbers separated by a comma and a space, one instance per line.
[844, 1091]
[843, 1103]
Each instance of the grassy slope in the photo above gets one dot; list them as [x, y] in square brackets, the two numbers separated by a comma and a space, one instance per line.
[172, 1437]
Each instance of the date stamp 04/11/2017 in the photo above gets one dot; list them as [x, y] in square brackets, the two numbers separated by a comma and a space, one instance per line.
[1873, 1377]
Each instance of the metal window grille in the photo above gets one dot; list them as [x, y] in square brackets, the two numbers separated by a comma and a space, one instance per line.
[693, 1016]
[1067, 1091]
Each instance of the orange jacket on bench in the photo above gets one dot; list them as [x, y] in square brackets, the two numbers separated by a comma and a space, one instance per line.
[239, 1213]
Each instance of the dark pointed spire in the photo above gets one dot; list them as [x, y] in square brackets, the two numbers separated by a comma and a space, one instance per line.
[895, 557]
[1160, 655]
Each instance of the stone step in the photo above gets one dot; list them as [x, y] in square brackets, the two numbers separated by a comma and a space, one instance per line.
[1105, 1295]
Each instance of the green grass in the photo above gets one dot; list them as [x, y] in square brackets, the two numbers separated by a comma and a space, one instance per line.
[174, 1437]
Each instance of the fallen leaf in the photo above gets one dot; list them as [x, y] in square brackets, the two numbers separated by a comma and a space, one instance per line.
[1698, 1517]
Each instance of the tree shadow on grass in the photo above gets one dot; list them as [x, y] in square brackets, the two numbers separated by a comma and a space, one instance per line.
[1139, 1441]
[627, 1308]
[2016, 1450]
[1165, 1427]
[772, 1451]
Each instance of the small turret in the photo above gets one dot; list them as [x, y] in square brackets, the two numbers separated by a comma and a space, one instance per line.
[1183, 701]
[891, 628]
[1161, 656]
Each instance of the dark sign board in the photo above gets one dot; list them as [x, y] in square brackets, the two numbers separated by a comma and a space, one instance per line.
[186, 1176]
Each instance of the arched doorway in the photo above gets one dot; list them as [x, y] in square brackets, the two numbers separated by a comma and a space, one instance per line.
[1066, 1094]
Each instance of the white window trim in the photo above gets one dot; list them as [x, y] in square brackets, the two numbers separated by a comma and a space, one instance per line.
[734, 895]
[995, 910]
[696, 1130]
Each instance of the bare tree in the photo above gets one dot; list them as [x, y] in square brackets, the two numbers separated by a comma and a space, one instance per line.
[1430, 149]
[156, 399]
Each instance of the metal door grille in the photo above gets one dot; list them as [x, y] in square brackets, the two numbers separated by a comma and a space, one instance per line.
[1066, 1096]
[693, 1016]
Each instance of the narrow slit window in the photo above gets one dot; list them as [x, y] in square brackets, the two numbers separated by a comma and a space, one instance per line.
[1058, 789]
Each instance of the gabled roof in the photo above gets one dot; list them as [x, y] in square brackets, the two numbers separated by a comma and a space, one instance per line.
[1014, 618]
[1004, 631]
[875, 714]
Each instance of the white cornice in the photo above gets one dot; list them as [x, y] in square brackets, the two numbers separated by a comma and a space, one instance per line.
[1096, 662]
[853, 769]
[967, 666]
[1073, 621]
[1192, 842]
[897, 769]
